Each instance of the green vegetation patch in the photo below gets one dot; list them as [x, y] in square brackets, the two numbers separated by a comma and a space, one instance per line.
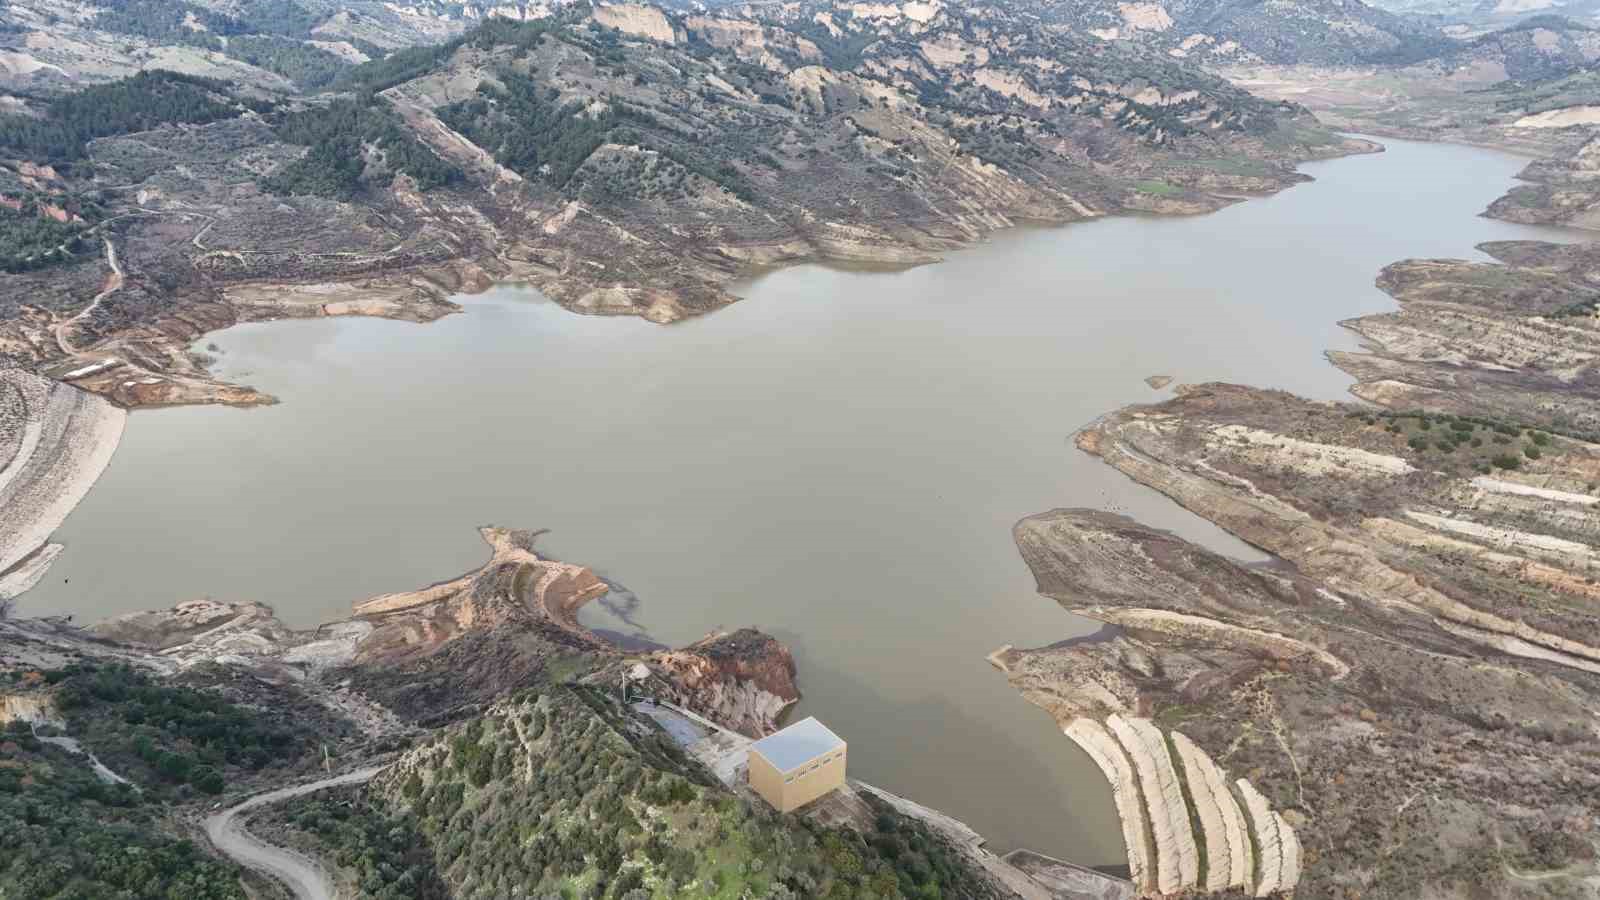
[176, 739]
[308, 66]
[31, 240]
[1480, 442]
[1160, 188]
[1239, 166]
[565, 793]
[177, 22]
[138, 103]
[70, 836]
[383, 848]
[532, 133]
[340, 136]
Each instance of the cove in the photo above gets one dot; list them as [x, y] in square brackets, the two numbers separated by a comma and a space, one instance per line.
[837, 459]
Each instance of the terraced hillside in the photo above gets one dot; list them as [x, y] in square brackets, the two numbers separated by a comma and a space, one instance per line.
[1510, 342]
[1407, 693]
[1408, 705]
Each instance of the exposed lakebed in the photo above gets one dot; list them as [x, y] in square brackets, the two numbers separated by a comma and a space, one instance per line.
[838, 459]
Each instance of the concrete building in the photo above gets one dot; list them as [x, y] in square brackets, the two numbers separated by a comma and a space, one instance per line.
[797, 765]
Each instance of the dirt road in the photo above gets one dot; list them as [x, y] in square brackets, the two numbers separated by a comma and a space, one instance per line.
[305, 878]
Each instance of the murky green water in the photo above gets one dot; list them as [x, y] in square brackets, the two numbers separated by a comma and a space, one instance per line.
[837, 459]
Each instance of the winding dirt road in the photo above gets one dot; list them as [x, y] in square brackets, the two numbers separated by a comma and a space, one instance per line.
[305, 878]
[113, 284]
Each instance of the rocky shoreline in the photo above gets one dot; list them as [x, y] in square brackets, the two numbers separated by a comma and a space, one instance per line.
[468, 630]
[1409, 693]
[55, 440]
[139, 357]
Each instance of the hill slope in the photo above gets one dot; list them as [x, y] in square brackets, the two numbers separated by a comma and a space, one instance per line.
[631, 160]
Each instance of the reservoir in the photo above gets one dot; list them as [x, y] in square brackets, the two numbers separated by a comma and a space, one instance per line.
[837, 459]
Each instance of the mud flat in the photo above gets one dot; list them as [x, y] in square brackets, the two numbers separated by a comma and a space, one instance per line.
[55, 440]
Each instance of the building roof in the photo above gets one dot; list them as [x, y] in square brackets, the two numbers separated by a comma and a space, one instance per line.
[798, 744]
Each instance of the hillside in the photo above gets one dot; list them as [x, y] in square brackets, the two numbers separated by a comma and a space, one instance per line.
[464, 740]
[563, 792]
[1528, 88]
[1308, 32]
[631, 160]
[275, 46]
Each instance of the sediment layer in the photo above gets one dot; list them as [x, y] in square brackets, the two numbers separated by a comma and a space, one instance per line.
[55, 441]
[1155, 807]
[1113, 762]
[1424, 741]
[1229, 860]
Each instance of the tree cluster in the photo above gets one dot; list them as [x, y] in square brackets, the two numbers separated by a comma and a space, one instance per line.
[137, 103]
[564, 793]
[70, 836]
[309, 67]
[383, 848]
[30, 240]
[342, 136]
[179, 735]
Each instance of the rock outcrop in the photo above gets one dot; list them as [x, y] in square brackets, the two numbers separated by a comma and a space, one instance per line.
[1112, 760]
[1519, 340]
[1561, 190]
[425, 653]
[1420, 736]
[744, 679]
[1229, 857]
[31, 708]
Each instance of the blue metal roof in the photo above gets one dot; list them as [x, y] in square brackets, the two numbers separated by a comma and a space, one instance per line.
[798, 744]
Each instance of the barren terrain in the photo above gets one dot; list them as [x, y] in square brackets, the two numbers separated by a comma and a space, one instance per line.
[1405, 702]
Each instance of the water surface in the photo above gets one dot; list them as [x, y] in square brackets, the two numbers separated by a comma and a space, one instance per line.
[838, 459]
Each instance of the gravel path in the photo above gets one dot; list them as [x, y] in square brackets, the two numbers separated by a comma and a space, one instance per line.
[305, 878]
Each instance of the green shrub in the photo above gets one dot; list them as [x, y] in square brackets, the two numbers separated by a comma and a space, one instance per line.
[207, 780]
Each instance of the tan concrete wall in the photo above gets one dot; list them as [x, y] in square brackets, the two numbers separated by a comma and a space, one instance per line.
[766, 780]
[806, 783]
